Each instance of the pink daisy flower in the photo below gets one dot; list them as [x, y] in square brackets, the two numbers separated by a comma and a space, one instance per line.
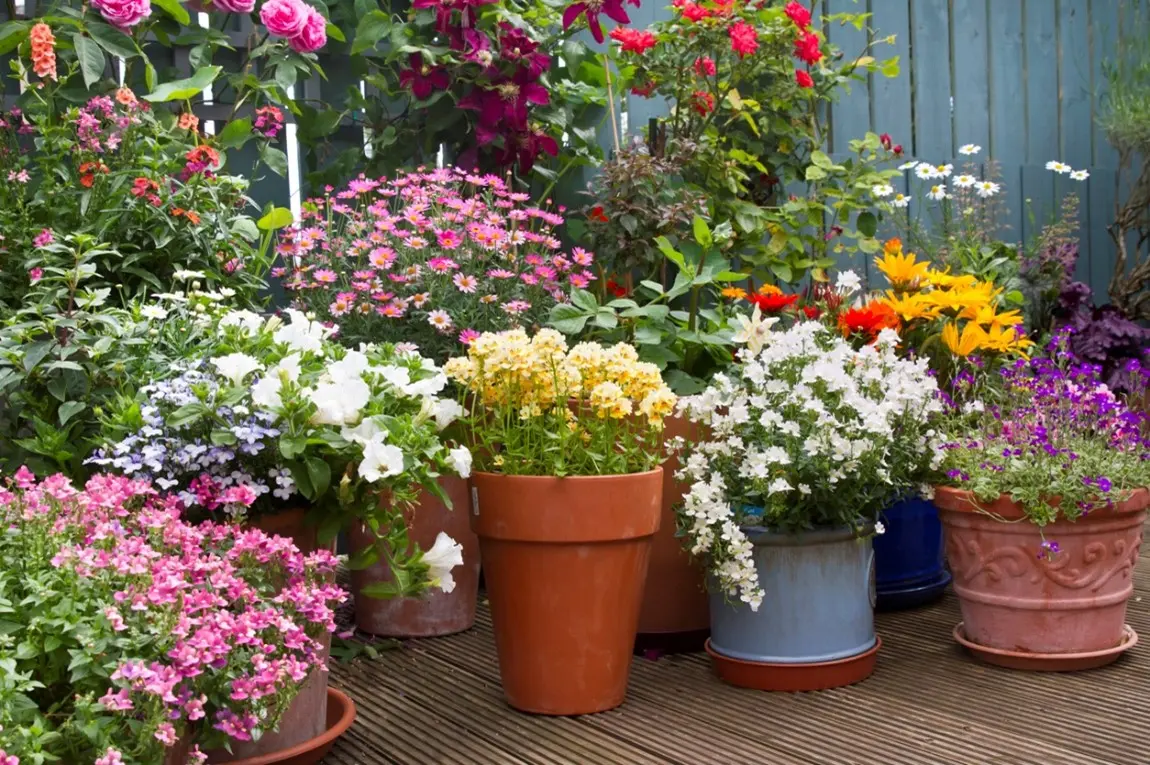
[533, 260]
[516, 307]
[579, 280]
[467, 335]
[442, 265]
[545, 272]
[420, 299]
[325, 276]
[531, 279]
[500, 273]
[582, 257]
[465, 282]
[440, 319]
[488, 299]
[363, 275]
[449, 239]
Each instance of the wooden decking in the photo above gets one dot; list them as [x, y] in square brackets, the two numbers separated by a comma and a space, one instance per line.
[439, 701]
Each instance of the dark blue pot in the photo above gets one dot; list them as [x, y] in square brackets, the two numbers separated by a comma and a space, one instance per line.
[908, 557]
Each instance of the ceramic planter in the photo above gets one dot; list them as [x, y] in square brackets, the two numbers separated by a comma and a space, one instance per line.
[908, 556]
[436, 613]
[564, 560]
[815, 627]
[675, 613]
[1025, 610]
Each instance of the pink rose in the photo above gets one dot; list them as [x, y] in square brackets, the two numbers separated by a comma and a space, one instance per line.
[285, 18]
[314, 34]
[235, 6]
[123, 13]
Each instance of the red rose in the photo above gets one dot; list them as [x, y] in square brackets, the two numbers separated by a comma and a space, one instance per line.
[702, 102]
[807, 48]
[744, 38]
[803, 79]
[884, 139]
[897, 150]
[633, 40]
[695, 13]
[800, 15]
[705, 66]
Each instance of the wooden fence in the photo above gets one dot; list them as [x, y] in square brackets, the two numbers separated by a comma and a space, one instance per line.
[1021, 78]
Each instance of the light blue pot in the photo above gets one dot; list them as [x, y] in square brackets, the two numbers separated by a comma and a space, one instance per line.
[818, 606]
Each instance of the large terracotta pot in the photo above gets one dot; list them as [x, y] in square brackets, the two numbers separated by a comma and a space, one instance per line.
[291, 523]
[437, 612]
[675, 596]
[1024, 609]
[564, 560]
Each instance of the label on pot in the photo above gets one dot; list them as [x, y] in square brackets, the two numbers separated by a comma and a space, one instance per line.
[872, 583]
[474, 501]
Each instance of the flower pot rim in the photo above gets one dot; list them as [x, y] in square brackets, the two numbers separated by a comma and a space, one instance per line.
[964, 501]
[767, 537]
[337, 702]
[658, 469]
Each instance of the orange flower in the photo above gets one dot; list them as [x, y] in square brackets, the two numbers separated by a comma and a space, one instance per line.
[193, 217]
[734, 293]
[177, 212]
[125, 97]
[189, 122]
[43, 51]
[773, 302]
[88, 172]
[770, 289]
[892, 246]
[868, 320]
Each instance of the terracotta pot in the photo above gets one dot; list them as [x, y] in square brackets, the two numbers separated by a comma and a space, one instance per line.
[1017, 604]
[305, 719]
[340, 716]
[292, 524]
[565, 560]
[437, 612]
[178, 753]
[675, 596]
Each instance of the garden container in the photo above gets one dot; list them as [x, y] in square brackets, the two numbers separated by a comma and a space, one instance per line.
[908, 558]
[437, 612]
[676, 612]
[291, 523]
[564, 560]
[1027, 609]
[340, 716]
[815, 626]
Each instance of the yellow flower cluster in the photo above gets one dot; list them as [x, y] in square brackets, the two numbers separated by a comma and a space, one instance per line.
[964, 306]
[536, 374]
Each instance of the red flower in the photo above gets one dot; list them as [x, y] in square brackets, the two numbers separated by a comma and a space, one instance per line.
[643, 89]
[868, 320]
[835, 231]
[694, 13]
[744, 38]
[804, 79]
[616, 289]
[773, 303]
[897, 150]
[598, 215]
[88, 172]
[705, 66]
[807, 48]
[423, 80]
[633, 40]
[592, 8]
[702, 102]
[812, 311]
[800, 15]
[143, 187]
[884, 139]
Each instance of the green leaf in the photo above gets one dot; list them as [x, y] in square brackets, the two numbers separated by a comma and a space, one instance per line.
[275, 159]
[584, 300]
[867, 224]
[35, 353]
[12, 33]
[70, 409]
[112, 40]
[606, 319]
[236, 133]
[275, 219]
[182, 90]
[149, 75]
[815, 173]
[820, 159]
[91, 59]
[783, 271]
[175, 10]
[568, 319]
[319, 474]
[372, 28]
[335, 32]
[673, 255]
[702, 234]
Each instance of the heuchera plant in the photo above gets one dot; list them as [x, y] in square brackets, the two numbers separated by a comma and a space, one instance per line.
[127, 629]
[432, 258]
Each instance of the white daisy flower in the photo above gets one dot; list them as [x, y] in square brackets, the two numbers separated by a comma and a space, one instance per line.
[882, 189]
[909, 165]
[900, 200]
[1080, 175]
[924, 171]
[937, 193]
[440, 320]
[986, 189]
[1058, 167]
[942, 171]
[969, 149]
[965, 181]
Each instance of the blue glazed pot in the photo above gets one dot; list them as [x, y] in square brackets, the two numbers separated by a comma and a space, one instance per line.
[818, 604]
[908, 557]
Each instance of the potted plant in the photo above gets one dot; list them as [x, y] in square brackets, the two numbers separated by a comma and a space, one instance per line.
[1043, 498]
[139, 635]
[431, 258]
[809, 438]
[565, 504]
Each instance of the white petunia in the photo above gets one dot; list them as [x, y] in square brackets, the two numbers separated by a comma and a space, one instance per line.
[366, 431]
[879, 529]
[380, 460]
[900, 200]
[236, 366]
[779, 485]
[1080, 175]
[350, 367]
[430, 386]
[882, 189]
[460, 461]
[338, 404]
[266, 392]
[969, 149]
[153, 312]
[447, 410]
[847, 283]
[937, 193]
[1058, 167]
[443, 556]
[249, 321]
[964, 181]
[400, 377]
[302, 333]
[987, 189]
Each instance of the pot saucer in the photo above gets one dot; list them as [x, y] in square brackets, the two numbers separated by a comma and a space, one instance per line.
[1048, 662]
[779, 676]
[340, 716]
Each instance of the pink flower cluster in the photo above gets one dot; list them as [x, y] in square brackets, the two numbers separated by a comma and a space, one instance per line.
[300, 24]
[243, 613]
[430, 257]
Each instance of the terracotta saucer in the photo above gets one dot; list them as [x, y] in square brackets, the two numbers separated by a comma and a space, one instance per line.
[1048, 662]
[340, 716]
[773, 676]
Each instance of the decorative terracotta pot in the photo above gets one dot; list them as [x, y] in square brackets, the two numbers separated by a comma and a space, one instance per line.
[436, 613]
[675, 602]
[292, 524]
[1026, 610]
[565, 560]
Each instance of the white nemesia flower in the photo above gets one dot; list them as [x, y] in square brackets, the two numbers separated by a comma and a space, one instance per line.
[1080, 175]
[964, 181]
[1058, 167]
[236, 366]
[847, 283]
[183, 275]
[882, 189]
[380, 460]
[153, 312]
[443, 556]
[460, 461]
[969, 149]
[987, 189]
[937, 193]
[900, 200]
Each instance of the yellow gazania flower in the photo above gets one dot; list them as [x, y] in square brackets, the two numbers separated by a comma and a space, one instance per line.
[968, 342]
[734, 293]
[902, 270]
[987, 316]
[1006, 340]
[909, 306]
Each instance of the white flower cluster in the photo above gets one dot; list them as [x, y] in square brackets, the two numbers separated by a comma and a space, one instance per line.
[804, 433]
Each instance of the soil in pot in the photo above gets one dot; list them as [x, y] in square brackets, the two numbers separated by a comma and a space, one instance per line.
[565, 560]
[437, 612]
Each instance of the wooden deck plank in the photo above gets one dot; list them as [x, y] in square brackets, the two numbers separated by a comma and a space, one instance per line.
[439, 702]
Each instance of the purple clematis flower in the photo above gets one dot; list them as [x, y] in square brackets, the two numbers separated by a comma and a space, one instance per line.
[592, 8]
[423, 80]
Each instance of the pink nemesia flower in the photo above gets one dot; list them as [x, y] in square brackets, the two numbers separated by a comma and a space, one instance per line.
[110, 757]
[35, 275]
[44, 238]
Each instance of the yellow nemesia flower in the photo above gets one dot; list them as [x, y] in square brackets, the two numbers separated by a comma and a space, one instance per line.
[902, 271]
[965, 344]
